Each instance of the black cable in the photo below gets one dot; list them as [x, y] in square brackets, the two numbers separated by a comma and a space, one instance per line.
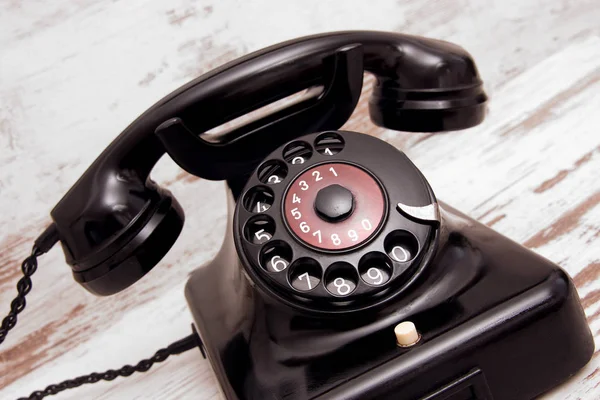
[42, 244]
[180, 346]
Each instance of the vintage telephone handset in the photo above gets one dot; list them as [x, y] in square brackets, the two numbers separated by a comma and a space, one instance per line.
[335, 239]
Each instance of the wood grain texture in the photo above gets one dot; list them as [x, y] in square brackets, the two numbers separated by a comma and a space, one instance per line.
[74, 73]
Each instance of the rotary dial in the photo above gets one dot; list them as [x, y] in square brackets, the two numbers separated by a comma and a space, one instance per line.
[335, 220]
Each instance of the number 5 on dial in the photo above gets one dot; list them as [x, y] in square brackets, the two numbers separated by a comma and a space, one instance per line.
[296, 214]
[261, 235]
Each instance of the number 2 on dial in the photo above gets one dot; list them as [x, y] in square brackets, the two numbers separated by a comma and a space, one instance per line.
[274, 179]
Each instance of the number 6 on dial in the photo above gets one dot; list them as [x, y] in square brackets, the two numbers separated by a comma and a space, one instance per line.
[304, 227]
[278, 263]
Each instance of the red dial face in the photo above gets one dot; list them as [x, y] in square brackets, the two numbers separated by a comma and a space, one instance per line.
[334, 206]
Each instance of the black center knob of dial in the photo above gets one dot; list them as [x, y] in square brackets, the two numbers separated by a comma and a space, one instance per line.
[334, 203]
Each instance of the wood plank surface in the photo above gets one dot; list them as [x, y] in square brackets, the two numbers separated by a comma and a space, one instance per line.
[74, 73]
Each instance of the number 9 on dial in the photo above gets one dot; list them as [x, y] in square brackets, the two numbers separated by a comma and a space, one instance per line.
[375, 269]
[375, 276]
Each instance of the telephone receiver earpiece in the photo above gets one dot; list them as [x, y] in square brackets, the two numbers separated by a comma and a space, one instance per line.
[115, 224]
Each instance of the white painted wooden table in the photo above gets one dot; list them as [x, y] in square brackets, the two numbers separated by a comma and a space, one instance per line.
[73, 74]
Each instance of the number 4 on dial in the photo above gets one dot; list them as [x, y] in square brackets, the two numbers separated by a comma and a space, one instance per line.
[296, 199]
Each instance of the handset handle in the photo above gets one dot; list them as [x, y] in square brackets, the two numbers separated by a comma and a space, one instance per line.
[422, 85]
[341, 75]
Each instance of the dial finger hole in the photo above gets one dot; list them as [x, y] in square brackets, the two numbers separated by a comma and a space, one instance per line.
[272, 172]
[259, 229]
[258, 199]
[401, 246]
[341, 279]
[375, 269]
[305, 274]
[329, 143]
[297, 152]
[276, 256]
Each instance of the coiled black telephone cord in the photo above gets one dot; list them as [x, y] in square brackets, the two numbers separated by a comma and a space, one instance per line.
[42, 245]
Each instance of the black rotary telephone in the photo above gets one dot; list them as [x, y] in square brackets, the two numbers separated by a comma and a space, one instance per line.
[341, 276]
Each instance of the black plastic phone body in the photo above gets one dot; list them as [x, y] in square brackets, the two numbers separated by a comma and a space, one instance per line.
[490, 312]
[499, 338]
